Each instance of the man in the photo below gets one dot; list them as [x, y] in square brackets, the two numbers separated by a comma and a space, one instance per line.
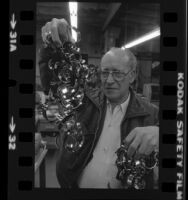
[111, 117]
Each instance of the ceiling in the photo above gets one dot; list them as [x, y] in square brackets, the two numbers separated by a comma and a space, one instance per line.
[134, 20]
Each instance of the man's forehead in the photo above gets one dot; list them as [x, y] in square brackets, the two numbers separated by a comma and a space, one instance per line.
[118, 59]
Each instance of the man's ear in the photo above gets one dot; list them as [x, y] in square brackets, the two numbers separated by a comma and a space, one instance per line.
[132, 76]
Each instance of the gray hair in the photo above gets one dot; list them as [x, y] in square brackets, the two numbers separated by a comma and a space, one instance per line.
[123, 54]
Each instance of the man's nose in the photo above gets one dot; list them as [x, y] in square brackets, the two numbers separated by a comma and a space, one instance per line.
[110, 78]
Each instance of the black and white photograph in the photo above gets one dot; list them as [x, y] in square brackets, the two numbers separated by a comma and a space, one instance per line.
[97, 95]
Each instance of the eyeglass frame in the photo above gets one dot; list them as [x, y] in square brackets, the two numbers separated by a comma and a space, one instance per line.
[111, 72]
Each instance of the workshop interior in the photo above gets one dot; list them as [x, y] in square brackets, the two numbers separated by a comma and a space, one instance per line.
[101, 25]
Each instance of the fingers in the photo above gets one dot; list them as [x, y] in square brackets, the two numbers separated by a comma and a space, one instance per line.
[133, 147]
[137, 144]
[45, 30]
[59, 30]
[70, 38]
[147, 149]
[62, 27]
[43, 33]
[141, 141]
[131, 142]
[55, 33]
[130, 138]
[64, 30]
[143, 150]
[149, 142]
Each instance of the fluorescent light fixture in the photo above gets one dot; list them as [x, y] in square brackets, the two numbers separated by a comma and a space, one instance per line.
[142, 39]
[73, 7]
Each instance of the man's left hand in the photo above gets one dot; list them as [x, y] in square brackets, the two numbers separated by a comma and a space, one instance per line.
[141, 141]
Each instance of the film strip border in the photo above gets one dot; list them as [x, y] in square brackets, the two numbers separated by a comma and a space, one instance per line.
[22, 101]
[21, 98]
[172, 107]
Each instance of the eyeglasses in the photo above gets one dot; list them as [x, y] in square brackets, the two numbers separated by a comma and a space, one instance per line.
[117, 75]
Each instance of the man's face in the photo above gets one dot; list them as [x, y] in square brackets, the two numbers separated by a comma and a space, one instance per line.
[115, 90]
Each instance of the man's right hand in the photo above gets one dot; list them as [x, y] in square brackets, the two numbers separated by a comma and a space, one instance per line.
[59, 30]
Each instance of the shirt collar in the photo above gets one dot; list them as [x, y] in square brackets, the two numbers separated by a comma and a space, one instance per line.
[123, 106]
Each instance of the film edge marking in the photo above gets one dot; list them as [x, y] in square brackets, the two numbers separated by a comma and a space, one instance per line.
[13, 34]
[12, 136]
[180, 134]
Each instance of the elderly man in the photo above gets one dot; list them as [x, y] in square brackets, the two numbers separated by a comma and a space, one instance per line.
[111, 116]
